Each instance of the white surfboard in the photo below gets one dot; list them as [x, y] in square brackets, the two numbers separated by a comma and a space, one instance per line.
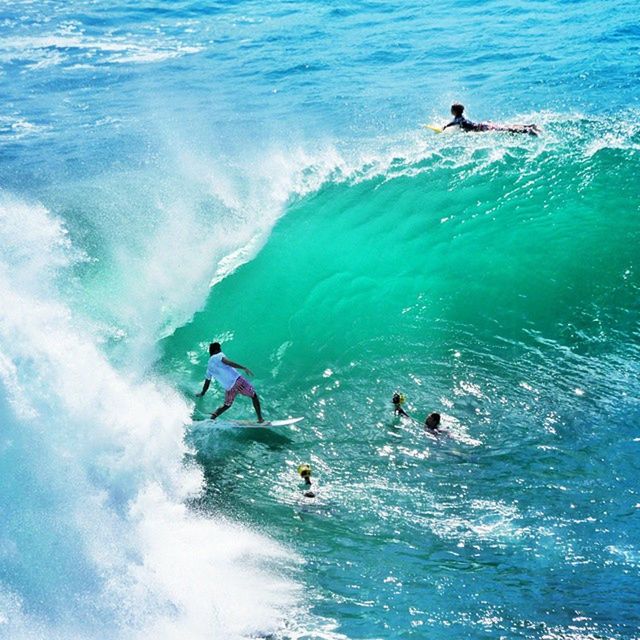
[252, 424]
[248, 424]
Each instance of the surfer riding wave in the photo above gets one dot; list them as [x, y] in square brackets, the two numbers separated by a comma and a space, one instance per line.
[225, 372]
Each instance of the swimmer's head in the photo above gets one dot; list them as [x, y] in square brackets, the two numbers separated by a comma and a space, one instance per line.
[214, 348]
[432, 421]
[457, 109]
[304, 471]
[398, 398]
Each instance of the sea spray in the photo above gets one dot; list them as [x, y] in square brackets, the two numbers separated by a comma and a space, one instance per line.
[94, 483]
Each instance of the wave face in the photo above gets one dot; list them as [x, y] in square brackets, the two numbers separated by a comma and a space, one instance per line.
[254, 172]
[492, 281]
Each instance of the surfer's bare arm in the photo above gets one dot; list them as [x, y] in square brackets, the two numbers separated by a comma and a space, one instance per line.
[235, 365]
[450, 124]
[204, 389]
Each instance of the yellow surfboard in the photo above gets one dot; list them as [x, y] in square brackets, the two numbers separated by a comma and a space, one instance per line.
[433, 127]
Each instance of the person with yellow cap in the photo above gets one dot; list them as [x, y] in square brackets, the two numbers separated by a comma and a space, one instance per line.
[304, 471]
[431, 423]
[398, 400]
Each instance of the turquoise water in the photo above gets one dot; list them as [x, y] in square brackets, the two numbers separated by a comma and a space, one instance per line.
[255, 173]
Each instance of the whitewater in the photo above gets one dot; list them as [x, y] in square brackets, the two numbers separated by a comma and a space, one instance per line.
[174, 173]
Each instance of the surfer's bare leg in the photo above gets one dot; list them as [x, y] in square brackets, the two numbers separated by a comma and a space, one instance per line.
[219, 410]
[256, 406]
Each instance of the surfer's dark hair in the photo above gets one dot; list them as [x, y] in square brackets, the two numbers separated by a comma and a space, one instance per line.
[457, 109]
[214, 348]
[433, 417]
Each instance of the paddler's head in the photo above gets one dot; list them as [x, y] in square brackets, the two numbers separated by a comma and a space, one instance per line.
[457, 109]
[214, 348]
[433, 421]
[398, 399]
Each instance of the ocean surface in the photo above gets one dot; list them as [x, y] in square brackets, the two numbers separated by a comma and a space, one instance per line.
[252, 172]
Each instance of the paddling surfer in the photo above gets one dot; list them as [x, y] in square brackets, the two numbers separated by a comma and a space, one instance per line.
[466, 125]
[225, 372]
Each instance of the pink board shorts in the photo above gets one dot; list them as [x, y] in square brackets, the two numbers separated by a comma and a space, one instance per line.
[240, 386]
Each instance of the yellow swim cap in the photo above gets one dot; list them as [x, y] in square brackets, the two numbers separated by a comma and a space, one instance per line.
[304, 470]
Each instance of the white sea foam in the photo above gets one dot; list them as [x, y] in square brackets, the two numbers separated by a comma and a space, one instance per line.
[50, 50]
[15, 127]
[94, 532]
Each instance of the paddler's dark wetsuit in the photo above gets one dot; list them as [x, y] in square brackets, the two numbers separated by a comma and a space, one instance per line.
[467, 125]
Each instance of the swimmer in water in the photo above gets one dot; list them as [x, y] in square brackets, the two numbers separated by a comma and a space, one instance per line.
[432, 423]
[466, 125]
[304, 471]
[398, 400]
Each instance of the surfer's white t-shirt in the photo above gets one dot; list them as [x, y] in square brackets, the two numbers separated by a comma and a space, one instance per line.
[222, 372]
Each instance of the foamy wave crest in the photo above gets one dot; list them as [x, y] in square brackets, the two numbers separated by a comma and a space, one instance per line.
[212, 211]
[201, 211]
[64, 48]
[95, 539]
